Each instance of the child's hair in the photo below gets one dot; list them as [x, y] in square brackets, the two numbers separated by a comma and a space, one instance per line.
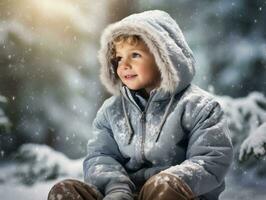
[121, 39]
[130, 39]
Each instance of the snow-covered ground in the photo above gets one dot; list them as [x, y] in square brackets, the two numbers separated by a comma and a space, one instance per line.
[243, 188]
[236, 189]
[15, 191]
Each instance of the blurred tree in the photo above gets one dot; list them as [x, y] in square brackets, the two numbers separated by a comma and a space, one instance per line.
[238, 54]
[49, 69]
[228, 39]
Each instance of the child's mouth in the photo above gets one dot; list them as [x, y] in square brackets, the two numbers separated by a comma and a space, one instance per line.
[130, 76]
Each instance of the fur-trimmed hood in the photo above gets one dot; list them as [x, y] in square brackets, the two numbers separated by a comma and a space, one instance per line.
[164, 39]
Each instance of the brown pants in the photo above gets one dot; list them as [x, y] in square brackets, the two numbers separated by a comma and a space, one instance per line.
[158, 187]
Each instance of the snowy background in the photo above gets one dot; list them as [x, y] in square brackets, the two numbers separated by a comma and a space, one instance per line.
[49, 87]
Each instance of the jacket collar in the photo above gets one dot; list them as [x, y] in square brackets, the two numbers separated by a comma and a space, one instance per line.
[156, 95]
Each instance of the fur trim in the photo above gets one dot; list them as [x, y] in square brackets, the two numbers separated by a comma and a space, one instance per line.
[154, 41]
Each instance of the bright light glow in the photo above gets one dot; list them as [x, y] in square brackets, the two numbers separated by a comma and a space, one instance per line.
[61, 10]
[55, 8]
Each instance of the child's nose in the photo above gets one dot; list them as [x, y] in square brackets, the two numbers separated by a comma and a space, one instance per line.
[125, 64]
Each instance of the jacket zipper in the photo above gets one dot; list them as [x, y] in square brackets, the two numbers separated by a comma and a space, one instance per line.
[143, 128]
[143, 134]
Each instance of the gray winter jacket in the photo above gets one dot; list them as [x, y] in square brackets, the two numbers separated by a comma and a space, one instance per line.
[179, 130]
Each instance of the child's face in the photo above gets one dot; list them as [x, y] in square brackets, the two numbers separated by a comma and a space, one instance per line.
[136, 66]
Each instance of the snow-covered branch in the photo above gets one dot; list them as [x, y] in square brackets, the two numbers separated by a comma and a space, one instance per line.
[254, 144]
[244, 114]
[35, 162]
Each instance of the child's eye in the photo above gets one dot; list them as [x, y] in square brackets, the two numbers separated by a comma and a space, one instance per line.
[136, 55]
[118, 59]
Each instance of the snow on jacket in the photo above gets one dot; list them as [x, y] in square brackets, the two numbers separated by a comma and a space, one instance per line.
[181, 130]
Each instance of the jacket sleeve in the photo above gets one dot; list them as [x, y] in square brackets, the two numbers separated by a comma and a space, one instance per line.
[209, 153]
[103, 165]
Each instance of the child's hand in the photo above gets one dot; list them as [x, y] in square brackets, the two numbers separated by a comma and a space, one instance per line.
[145, 173]
[254, 144]
[118, 196]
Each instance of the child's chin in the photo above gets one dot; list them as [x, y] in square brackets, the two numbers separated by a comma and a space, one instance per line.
[133, 88]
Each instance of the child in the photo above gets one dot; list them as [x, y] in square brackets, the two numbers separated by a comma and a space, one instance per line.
[158, 137]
